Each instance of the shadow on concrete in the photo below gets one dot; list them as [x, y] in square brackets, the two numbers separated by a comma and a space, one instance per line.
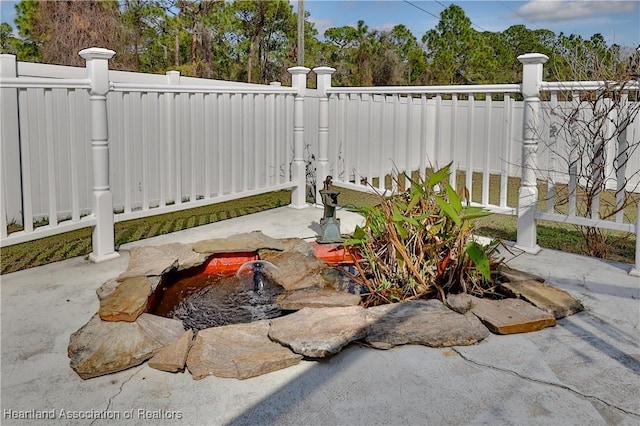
[315, 227]
[278, 406]
[606, 289]
[570, 324]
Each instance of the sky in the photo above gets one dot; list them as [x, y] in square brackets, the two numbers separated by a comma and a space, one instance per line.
[617, 21]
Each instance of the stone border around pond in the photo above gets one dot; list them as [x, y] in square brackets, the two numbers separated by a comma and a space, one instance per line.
[121, 335]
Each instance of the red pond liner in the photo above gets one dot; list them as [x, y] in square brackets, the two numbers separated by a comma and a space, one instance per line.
[229, 263]
[333, 253]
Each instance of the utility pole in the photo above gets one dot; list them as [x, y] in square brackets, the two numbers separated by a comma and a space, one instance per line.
[300, 33]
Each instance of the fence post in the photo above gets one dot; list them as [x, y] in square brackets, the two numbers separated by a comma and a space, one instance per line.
[103, 247]
[528, 194]
[298, 169]
[323, 75]
[11, 182]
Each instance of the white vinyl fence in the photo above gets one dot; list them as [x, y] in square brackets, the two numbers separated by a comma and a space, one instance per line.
[374, 131]
[494, 131]
[168, 143]
[171, 142]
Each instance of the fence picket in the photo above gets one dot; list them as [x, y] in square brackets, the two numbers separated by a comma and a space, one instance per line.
[486, 171]
[471, 118]
[506, 150]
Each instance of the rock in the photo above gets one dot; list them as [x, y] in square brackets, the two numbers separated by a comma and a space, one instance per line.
[297, 245]
[295, 270]
[107, 288]
[515, 275]
[151, 261]
[510, 316]
[239, 351]
[428, 323]
[550, 299]
[316, 298]
[461, 303]
[172, 357]
[156, 260]
[319, 332]
[240, 243]
[102, 347]
[127, 301]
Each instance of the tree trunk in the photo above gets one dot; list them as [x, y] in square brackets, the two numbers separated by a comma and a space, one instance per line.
[252, 54]
[176, 60]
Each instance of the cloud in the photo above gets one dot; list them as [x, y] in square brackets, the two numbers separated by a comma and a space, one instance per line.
[563, 10]
[322, 24]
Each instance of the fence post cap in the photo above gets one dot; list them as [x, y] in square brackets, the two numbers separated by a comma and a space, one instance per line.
[298, 70]
[96, 53]
[324, 70]
[533, 58]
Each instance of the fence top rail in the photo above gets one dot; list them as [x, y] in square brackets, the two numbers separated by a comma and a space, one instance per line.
[160, 88]
[44, 83]
[411, 90]
[555, 86]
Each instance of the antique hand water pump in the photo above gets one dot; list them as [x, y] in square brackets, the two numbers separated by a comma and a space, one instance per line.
[329, 224]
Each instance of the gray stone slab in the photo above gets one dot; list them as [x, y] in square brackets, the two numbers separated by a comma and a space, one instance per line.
[319, 332]
[515, 275]
[239, 243]
[295, 270]
[238, 351]
[154, 261]
[510, 316]
[102, 347]
[550, 299]
[127, 301]
[172, 358]
[316, 298]
[420, 322]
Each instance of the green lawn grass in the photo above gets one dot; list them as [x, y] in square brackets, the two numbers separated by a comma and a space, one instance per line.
[78, 243]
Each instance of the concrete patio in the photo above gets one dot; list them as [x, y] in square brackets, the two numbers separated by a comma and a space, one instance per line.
[586, 370]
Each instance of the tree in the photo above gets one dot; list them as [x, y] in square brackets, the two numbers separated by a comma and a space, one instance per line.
[515, 41]
[411, 54]
[59, 30]
[388, 67]
[338, 50]
[142, 21]
[584, 60]
[28, 49]
[457, 53]
[8, 43]
[266, 35]
[364, 57]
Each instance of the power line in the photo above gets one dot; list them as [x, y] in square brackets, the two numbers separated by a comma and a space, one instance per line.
[418, 7]
[440, 3]
[516, 12]
[437, 17]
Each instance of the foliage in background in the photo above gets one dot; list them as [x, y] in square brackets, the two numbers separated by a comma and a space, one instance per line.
[417, 243]
[255, 41]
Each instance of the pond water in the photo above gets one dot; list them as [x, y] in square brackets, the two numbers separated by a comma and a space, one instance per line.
[202, 300]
